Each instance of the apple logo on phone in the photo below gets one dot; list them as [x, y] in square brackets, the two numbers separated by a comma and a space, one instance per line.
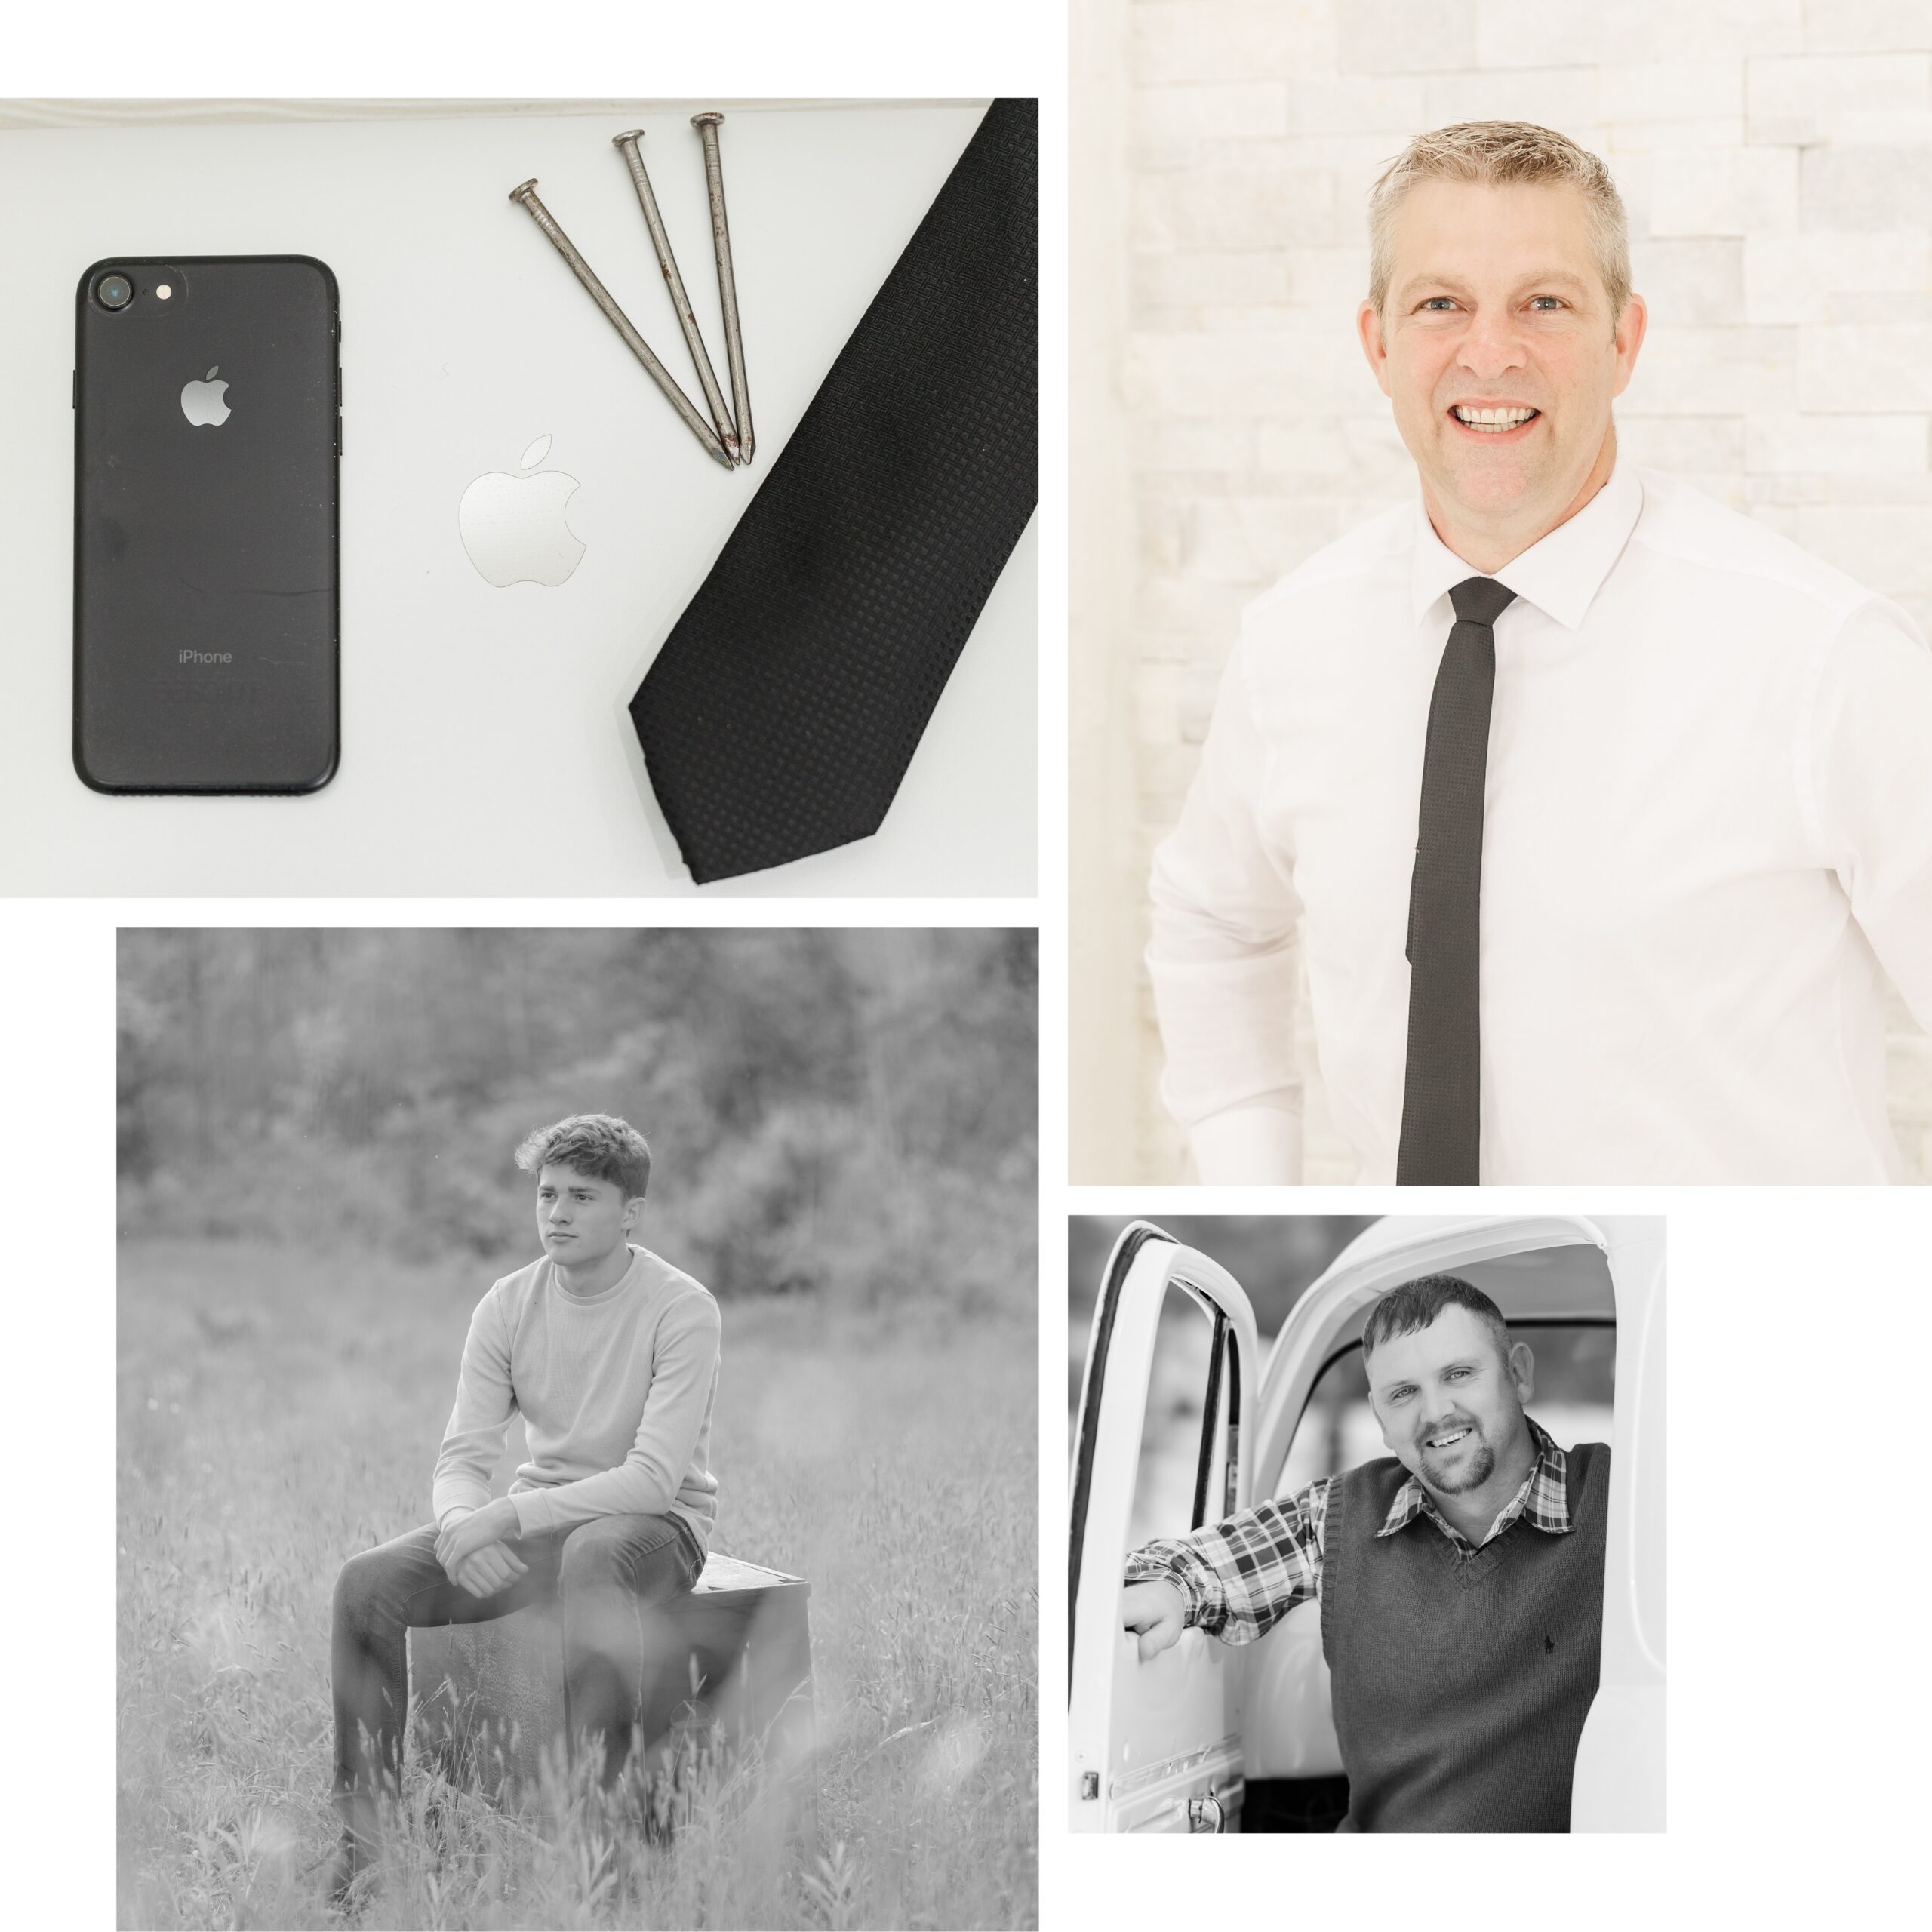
[514, 527]
[202, 402]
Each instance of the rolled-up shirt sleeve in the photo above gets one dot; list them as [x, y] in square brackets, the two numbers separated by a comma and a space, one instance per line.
[1239, 1578]
[1223, 954]
[1870, 767]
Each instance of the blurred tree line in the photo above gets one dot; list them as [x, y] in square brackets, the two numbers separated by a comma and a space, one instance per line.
[853, 1112]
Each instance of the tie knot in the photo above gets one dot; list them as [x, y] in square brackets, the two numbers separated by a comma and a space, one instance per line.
[1481, 600]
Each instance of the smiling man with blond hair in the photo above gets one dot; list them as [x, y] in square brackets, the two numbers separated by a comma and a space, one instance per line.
[1598, 811]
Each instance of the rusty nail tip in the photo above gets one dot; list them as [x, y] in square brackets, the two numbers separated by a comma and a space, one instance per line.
[709, 118]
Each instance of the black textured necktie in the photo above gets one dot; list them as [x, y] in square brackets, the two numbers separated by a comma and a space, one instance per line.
[1442, 1091]
[780, 715]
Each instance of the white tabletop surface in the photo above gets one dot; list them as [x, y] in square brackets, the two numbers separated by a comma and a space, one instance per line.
[486, 747]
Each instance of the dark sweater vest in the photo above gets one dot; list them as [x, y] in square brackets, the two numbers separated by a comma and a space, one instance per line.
[1461, 1683]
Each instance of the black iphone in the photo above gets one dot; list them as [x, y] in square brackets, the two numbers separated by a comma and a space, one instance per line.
[208, 433]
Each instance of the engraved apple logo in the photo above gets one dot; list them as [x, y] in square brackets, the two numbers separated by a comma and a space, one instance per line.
[514, 527]
[202, 402]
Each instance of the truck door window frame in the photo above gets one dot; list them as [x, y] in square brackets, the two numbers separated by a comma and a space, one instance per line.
[1124, 1255]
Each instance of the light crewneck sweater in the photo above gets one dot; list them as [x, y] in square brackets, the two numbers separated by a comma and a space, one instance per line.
[615, 1390]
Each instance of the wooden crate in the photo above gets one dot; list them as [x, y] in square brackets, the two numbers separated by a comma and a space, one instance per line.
[488, 1698]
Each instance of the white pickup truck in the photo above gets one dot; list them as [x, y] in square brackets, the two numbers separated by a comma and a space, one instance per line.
[1211, 1737]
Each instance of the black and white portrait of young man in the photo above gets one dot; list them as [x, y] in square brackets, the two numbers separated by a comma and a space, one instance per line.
[577, 1438]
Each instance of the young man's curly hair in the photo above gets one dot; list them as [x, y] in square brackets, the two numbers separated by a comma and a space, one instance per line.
[599, 1144]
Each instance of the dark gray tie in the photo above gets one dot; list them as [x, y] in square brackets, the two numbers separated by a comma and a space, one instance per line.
[789, 699]
[1441, 1142]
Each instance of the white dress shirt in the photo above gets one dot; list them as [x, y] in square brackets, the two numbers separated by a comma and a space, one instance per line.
[1708, 821]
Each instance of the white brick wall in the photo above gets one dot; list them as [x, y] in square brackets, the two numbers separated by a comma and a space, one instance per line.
[1778, 170]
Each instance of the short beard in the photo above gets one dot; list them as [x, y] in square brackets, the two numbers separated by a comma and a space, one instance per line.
[1482, 1466]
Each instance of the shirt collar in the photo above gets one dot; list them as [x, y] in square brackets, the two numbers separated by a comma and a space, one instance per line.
[1560, 574]
[1544, 1498]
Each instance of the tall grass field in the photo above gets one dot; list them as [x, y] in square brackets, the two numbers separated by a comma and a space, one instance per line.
[280, 1408]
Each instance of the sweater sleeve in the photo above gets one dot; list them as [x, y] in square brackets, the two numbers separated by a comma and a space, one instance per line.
[485, 1401]
[684, 1367]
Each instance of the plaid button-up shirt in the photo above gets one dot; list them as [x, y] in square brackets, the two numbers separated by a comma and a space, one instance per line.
[1242, 1577]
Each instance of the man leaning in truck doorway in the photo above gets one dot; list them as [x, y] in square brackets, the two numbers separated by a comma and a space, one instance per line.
[1460, 1579]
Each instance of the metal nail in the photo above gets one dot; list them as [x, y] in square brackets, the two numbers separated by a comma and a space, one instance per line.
[627, 145]
[619, 321]
[706, 125]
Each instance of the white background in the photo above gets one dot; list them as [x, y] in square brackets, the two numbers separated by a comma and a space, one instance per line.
[1799, 1337]
[486, 746]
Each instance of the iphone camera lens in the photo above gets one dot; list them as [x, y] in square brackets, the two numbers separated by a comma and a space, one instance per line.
[115, 291]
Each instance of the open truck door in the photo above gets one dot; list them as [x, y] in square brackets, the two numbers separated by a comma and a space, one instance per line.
[1155, 1746]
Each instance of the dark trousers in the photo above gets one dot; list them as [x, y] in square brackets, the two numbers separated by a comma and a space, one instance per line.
[605, 1573]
